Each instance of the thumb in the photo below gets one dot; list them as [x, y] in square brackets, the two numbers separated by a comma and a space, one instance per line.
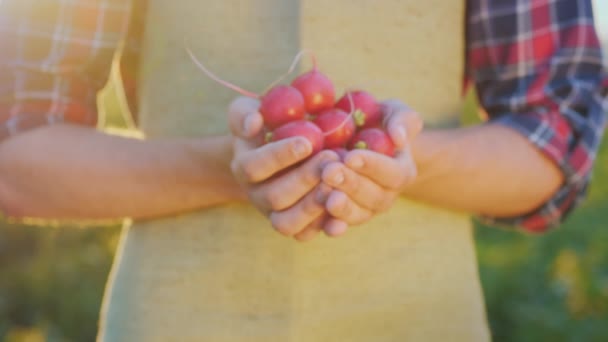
[244, 119]
[403, 125]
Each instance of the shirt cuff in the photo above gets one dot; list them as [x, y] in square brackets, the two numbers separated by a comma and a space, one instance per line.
[549, 216]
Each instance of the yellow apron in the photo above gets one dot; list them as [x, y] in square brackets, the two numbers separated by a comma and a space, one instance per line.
[223, 274]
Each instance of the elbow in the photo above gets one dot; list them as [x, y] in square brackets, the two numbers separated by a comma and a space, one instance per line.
[539, 209]
[552, 212]
[531, 193]
[546, 189]
[541, 220]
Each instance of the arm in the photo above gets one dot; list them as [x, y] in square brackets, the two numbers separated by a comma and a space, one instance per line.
[458, 169]
[545, 95]
[543, 87]
[51, 165]
[488, 169]
[67, 171]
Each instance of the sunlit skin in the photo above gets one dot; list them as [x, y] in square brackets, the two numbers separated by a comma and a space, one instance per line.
[473, 170]
[112, 177]
[467, 169]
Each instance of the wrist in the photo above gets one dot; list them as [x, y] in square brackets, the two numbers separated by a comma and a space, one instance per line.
[210, 160]
[426, 152]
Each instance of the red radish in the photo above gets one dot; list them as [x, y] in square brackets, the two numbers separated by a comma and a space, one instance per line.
[317, 89]
[373, 139]
[281, 105]
[367, 110]
[300, 128]
[341, 151]
[338, 127]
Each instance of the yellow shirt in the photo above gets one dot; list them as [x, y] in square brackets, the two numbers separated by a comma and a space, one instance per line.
[223, 274]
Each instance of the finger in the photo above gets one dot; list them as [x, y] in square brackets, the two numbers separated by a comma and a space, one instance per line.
[390, 173]
[286, 190]
[343, 208]
[398, 131]
[254, 165]
[293, 220]
[243, 117]
[360, 189]
[312, 230]
[334, 227]
[403, 127]
[402, 123]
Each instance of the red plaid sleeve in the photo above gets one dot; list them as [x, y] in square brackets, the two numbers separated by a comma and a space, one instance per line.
[537, 68]
[54, 58]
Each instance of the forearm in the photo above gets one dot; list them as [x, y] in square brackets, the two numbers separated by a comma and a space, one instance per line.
[487, 169]
[70, 172]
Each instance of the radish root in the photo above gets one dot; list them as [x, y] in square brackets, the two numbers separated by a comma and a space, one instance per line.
[291, 69]
[219, 80]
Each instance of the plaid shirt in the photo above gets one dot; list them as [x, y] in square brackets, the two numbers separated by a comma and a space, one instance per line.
[536, 65]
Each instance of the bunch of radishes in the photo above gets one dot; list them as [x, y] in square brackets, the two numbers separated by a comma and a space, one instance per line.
[307, 108]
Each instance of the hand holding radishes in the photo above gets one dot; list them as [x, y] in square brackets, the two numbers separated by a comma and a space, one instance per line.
[366, 182]
[291, 197]
[303, 120]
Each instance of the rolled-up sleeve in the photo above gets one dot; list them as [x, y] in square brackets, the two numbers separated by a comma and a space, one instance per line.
[54, 58]
[537, 68]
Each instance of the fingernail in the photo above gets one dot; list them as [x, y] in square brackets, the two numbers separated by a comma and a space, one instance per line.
[356, 163]
[301, 148]
[338, 178]
[401, 134]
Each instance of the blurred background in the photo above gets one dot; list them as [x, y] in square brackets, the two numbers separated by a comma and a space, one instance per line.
[537, 288]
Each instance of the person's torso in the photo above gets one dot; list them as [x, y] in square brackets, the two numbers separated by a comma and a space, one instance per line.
[223, 274]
